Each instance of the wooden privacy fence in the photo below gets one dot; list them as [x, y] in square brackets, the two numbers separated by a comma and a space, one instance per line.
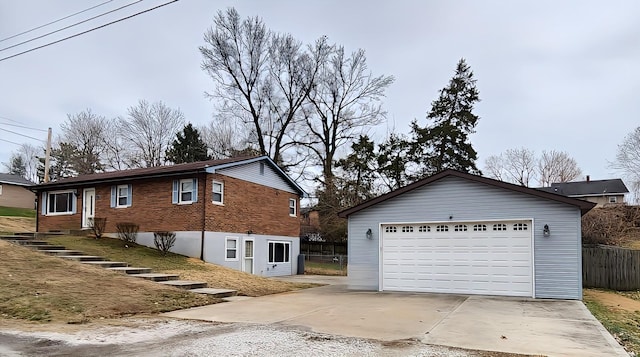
[610, 267]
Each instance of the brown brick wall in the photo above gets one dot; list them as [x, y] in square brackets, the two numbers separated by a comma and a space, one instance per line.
[247, 207]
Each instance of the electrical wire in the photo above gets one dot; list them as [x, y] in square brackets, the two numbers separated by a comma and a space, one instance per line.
[9, 141]
[87, 31]
[9, 119]
[26, 136]
[53, 22]
[67, 27]
[24, 127]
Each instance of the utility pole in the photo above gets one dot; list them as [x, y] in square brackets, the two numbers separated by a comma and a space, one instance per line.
[47, 157]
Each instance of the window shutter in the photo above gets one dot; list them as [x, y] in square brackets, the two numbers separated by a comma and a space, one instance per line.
[74, 202]
[194, 195]
[129, 195]
[43, 203]
[175, 191]
[113, 196]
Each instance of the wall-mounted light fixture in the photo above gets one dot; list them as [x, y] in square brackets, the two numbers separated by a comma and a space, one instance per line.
[546, 231]
[249, 232]
[369, 234]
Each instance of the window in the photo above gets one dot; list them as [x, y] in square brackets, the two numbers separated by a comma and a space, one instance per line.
[262, 168]
[121, 196]
[424, 229]
[612, 199]
[231, 249]
[292, 207]
[460, 228]
[479, 227]
[279, 252]
[499, 227]
[407, 229]
[520, 227]
[390, 229]
[185, 191]
[60, 203]
[218, 192]
[442, 228]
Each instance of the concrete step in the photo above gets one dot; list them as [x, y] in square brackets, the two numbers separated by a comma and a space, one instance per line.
[105, 264]
[83, 258]
[219, 293]
[59, 252]
[30, 242]
[131, 270]
[14, 237]
[25, 234]
[184, 284]
[237, 298]
[157, 276]
[44, 246]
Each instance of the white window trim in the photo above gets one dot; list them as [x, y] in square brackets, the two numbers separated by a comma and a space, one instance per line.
[118, 205]
[68, 213]
[180, 201]
[0, 190]
[613, 199]
[288, 244]
[213, 185]
[295, 207]
[226, 248]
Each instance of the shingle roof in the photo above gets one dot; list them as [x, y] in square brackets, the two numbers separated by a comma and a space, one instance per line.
[588, 188]
[584, 206]
[15, 180]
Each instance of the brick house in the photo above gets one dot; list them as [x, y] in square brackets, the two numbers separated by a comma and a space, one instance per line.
[14, 192]
[241, 213]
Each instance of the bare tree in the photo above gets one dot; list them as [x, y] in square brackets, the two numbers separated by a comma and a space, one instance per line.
[87, 132]
[520, 166]
[148, 130]
[628, 159]
[494, 167]
[557, 166]
[344, 103]
[225, 137]
[116, 153]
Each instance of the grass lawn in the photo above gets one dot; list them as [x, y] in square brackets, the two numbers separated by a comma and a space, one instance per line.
[17, 212]
[40, 288]
[318, 268]
[619, 312]
[188, 268]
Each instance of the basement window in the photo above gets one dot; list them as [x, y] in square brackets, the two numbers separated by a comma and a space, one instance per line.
[613, 199]
[279, 252]
[231, 248]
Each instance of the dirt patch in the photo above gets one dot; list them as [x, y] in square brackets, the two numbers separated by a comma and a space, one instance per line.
[17, 224]
[613, 300]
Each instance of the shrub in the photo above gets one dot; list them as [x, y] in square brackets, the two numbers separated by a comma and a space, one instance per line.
[97, 225]
[127, 231]
[164, 241]
[611, 225]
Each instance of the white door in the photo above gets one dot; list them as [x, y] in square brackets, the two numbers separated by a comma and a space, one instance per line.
[487, 258]
[88, 206]
[247, 256]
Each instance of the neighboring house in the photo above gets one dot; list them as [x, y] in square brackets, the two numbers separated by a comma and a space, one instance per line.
[459, 233]
[14, 192]
[310, 225]
[601, 192]
[241, 213]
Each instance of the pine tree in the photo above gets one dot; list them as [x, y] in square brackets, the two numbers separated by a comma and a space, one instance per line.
[187, 147]
[445, 144]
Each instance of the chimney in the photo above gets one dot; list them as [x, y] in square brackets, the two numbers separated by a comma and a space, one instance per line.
[588, 178]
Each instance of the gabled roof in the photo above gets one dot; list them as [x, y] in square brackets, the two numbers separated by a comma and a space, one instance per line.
[588, 188]
[163, 171]
[584, 206]
[18, 180]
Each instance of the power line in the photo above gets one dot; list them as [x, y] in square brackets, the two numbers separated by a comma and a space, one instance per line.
[26, 136]
[53, 22]
[9, 119]
[9, 141]
[87, 31]
[22, 126]
[66, 27]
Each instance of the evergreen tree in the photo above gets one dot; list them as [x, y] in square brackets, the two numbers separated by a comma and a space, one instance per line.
[444, 144]
[16, 166]
[187, 147]
[393, 161]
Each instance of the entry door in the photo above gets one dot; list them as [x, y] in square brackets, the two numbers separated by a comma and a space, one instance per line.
[247, 256]
[88, 206]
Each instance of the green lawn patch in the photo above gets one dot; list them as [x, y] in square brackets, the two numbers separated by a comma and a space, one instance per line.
[17, 212]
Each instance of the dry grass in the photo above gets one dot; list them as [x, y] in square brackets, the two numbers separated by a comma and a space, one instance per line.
[41, 288]
[188, 268]
[619, 313]
[17, 224]
[316, 268]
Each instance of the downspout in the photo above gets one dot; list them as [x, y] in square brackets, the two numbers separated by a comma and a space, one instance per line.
[38, 210]
[204, 216]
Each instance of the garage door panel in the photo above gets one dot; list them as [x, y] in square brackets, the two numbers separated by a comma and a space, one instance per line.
[466, 262]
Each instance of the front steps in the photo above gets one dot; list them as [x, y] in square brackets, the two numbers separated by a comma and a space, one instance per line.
[27, 240]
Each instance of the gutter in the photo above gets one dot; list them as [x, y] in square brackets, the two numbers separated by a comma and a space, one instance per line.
[64, 185]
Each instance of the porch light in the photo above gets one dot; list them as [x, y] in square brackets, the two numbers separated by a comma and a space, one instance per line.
[545, 230]
[369, 234]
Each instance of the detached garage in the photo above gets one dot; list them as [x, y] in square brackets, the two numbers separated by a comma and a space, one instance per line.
[464, 234]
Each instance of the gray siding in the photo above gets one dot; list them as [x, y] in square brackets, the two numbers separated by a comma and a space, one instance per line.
[557, 259]
[251, 172]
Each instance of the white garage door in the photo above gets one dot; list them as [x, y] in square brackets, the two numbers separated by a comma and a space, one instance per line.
[489, 258]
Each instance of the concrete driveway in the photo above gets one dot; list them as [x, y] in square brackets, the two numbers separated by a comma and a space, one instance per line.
[516, 325]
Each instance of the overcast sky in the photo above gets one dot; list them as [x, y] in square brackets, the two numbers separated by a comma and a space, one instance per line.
[551, 74]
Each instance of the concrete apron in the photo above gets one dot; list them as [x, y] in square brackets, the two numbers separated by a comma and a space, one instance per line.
[548, 327]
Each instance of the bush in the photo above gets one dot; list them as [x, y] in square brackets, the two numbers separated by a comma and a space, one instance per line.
[611, 225]
[127, 231]
[97, 225]
[164, 241]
